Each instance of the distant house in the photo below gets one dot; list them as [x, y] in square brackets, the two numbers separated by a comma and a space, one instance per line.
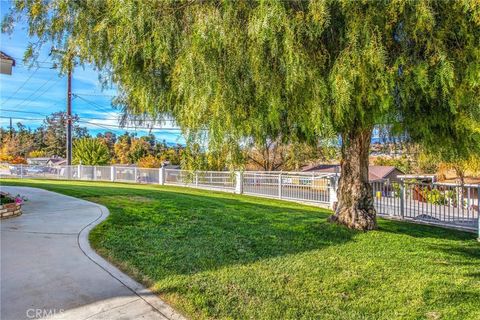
[39, 161]
[46, 161]
[57, 161]
[322, 168]
[6, 63]
[375, 173]
[378, 173]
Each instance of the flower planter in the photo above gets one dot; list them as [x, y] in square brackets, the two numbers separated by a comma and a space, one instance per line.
[10, 210]
[13, 208]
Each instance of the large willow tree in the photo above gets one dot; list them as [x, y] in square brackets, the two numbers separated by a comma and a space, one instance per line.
[228, 70]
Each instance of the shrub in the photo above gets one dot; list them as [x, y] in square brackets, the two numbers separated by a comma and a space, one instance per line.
[37, 154]
[18, 160]
[90, 152]
[149, 162]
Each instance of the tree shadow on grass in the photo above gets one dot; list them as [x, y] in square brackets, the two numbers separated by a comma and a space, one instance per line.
[456, 295]
[468, 254]
[182, 233]
[461, 247]
[423, 231]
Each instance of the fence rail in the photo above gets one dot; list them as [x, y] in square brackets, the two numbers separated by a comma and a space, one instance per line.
[445, 204]
[221, 180]
[290, 186]
[434, 203]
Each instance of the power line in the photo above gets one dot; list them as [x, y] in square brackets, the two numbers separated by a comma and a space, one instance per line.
[101, 124]
[139, 128]
[94, 104]
[20, 60]
[36, 65]
[100, 108]
[39, 67]
[21, 118]
[23, 84]
[41, 94]
[94, 95]
[38, 89]
[106, 128]
[82, 117]
[46, 115]
[17, 111]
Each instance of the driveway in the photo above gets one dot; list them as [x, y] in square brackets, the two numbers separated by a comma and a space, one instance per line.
[48, 269]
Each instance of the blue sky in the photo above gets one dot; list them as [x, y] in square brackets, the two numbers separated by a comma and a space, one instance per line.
[32, 93]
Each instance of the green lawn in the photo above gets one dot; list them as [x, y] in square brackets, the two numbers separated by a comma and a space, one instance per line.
[217, 255]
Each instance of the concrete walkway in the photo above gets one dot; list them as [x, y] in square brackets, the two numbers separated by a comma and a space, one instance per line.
[48, 269]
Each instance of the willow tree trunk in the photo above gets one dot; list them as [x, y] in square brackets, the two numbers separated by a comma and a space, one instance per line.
[355, 196]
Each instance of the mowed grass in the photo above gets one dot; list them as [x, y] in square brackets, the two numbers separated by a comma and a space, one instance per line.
[217, 255]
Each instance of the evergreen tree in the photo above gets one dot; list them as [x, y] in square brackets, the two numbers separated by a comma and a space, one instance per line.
[55, 131]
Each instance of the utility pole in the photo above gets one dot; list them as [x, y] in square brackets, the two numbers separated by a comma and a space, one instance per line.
[69, 101]
[69, 116]
[11, 127]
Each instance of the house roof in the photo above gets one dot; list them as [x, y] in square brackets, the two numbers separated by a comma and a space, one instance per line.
[379, 172]
[54, 160]
[57, 160]
[327, 168]
[374, 172]
[5, 56]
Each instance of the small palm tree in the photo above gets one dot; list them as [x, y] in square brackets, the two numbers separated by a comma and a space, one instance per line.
[90, 152]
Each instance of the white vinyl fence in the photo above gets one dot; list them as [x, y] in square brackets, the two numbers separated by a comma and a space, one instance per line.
[297, 186]
[221, 180]
[436, 203]
[449, 205]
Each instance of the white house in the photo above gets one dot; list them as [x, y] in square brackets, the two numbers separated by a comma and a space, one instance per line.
[7, 63]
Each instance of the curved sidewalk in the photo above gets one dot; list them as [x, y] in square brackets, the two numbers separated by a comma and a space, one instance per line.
[48, 269]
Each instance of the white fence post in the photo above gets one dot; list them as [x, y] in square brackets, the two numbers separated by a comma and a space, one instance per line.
[402, 199]
[21, 171]
[332, 192]
[79, 170]
[478, 212]
[161, 175]
[280, 186]
[196, 178]
[94, 173]
[112, 173]
[135, 175]
[238, 182]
